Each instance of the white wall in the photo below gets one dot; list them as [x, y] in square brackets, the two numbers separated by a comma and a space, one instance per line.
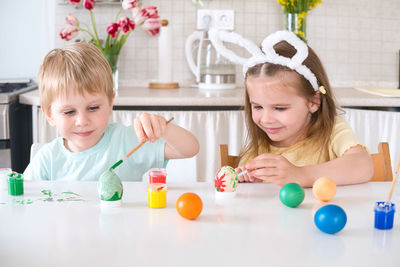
[358, 40]
[27, 33]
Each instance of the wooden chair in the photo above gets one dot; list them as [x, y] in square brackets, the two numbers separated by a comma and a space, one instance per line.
[381, 161]
[226, 159]
[382, 164]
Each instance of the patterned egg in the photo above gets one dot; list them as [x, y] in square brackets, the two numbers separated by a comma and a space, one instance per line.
[226, 180]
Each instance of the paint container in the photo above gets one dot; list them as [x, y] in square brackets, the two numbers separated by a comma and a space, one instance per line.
[157, 195]
[157, 176]
[4, 172]
[15, 184]
[384, 215]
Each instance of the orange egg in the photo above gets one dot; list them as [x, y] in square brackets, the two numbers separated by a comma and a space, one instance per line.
[189, 205]
[324, 189]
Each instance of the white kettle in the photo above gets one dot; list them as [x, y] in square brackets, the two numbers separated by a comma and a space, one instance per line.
[212, 70]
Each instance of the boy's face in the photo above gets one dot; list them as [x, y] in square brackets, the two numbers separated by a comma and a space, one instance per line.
[80, 120]
[277, 108]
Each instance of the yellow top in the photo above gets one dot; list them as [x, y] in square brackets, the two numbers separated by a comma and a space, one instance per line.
[342, 139]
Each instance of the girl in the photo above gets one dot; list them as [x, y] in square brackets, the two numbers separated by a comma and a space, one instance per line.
[294, 131]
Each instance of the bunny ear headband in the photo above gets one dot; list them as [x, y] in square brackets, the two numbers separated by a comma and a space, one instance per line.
[266, 53]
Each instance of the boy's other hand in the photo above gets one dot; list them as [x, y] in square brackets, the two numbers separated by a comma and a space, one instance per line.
[149, 127]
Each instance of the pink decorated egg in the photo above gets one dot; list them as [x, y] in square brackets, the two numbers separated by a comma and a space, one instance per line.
[226, 180]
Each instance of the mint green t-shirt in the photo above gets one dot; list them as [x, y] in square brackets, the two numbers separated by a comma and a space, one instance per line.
[54, 162]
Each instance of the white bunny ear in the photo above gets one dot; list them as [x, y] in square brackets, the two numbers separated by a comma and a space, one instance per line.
[217, 37]
[295, 63]
[274, 38]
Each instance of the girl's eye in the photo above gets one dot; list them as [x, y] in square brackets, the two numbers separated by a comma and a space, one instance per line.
[257, 107]
[280, 108]
[93, 108]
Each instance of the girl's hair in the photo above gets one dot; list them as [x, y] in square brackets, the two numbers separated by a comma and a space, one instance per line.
[79, 67]
[322, 121]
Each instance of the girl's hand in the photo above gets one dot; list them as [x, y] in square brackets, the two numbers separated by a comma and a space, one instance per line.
[273, 168]
[149, 127]
[245, 178]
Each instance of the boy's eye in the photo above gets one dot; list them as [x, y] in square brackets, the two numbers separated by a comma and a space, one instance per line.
[69, 112]
[280, 108]
[92, 108]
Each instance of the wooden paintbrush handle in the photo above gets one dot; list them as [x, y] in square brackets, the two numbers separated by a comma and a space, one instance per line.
[141, 143]
[394, 180]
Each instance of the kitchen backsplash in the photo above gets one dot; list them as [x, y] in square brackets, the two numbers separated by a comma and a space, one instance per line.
[358, 41]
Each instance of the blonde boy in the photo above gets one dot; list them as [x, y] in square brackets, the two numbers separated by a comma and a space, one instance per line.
[76, 96]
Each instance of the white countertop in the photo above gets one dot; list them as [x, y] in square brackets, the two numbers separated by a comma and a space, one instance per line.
[143, 96]
[254, 229]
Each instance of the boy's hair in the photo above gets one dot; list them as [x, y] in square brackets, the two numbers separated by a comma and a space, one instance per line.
[79, 67]
[322, 121]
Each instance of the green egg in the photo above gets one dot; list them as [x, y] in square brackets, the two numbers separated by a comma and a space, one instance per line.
[291, 195]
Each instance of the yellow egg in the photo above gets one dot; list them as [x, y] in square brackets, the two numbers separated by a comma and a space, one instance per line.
[324, 189]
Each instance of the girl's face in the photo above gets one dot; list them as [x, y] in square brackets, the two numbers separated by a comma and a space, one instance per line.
[81, 120]
[278, 109]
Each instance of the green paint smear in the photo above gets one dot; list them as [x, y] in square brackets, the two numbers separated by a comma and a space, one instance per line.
[71, 193]
[23, 201]
[72, 196]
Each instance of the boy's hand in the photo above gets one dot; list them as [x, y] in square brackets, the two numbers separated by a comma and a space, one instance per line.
[149, 127]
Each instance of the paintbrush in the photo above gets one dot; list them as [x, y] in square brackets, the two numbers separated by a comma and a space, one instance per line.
[283, 151]
[116, 164]
[393, 182]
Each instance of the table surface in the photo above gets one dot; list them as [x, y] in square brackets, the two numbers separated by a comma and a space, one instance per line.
[253, 229]
[143, 96]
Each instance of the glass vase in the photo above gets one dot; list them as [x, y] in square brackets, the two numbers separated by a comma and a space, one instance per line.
[112, 59]
[296, 23]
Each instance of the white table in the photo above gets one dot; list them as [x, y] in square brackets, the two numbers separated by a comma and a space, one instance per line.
[254, 229]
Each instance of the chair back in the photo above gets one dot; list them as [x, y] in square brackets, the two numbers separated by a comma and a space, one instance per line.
[382, 164]
[226, 159]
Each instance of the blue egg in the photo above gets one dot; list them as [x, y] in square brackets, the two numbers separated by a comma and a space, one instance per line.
[330, 219]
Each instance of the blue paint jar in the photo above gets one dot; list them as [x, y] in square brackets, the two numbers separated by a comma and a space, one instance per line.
[384, 215]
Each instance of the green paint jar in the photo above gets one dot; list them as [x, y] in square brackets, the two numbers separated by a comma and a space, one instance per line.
[15, 184]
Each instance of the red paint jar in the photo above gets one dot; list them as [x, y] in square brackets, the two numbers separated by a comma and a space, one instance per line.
[157, 176]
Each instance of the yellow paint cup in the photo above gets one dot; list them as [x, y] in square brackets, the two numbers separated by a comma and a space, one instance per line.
[157, 195]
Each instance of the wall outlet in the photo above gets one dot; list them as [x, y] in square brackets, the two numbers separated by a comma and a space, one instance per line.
[215, 18]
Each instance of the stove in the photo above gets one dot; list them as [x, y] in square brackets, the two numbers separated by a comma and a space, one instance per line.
[11, 89]
[15, 124]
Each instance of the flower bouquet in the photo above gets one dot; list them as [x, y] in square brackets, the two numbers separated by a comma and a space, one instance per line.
[117, 32]
[295, 13]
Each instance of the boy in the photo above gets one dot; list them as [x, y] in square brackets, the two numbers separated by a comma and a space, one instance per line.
[76, 96]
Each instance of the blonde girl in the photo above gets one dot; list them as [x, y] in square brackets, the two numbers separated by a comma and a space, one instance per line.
[294, 131]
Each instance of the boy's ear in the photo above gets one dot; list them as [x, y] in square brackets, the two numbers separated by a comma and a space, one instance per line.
[112, 103]
[48, 116]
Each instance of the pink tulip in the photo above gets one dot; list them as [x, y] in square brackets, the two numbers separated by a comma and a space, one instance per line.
[112, 29]
[126, 24]
[72, 20]
[74, 2]
[88, 4]
[138, 15]
[151, 12]
[129, 4]
[69, 32]
[152, 26]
